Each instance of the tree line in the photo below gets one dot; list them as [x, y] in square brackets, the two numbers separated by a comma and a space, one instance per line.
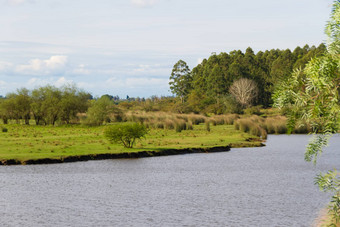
[46, 105]
[207, 88]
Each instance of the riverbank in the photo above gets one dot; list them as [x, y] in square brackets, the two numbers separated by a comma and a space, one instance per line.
[22, 145]
[127, 155]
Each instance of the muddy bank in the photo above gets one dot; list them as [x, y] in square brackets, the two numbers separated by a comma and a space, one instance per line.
[141, 154]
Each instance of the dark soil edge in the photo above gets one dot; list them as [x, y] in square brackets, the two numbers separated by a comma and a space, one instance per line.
[128, 155]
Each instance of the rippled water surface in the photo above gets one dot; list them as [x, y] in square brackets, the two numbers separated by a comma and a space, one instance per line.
[268, 186]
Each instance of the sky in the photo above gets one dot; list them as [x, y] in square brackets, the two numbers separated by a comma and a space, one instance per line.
[128, 47]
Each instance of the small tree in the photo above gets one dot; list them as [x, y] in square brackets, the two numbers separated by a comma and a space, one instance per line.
[125, 134]
[245, 91]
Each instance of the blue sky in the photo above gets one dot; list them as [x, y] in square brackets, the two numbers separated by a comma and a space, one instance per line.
[128, 47]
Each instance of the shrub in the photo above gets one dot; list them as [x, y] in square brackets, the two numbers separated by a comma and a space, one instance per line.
[4, 129]
[125, 134]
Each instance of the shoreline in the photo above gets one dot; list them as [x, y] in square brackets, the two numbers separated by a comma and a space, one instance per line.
[128, 155]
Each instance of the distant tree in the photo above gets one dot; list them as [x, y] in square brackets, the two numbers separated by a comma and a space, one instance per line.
[99, 111]
[245, 91]
[17, 106]
[125, 134]
[180, 80]
[7, 109]
[73, 101]
[23, 104]
[46, 104]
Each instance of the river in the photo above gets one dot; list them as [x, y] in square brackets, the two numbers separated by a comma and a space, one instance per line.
[268, 186]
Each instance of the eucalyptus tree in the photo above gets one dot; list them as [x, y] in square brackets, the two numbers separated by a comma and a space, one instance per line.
[312, 95]
[180, 80]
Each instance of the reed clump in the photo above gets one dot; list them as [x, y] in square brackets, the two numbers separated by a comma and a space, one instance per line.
[275, 125]
[225, 119]
[180, 125]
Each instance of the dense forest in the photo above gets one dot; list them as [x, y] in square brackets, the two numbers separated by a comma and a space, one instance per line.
[208, 86]
[223, 83]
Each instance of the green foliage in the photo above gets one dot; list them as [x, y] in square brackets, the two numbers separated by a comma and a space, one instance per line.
[214, 76]
[330, 181]
[3, 129]
[46, 105]
[180, 79]
[312, 95]
[253, 110]
[125, 134]
[99, 111]
[315, 147]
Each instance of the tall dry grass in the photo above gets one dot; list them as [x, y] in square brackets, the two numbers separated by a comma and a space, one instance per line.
[165, 120]
[251, 125]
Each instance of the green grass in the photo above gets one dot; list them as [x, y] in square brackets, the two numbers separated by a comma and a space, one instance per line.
[28, 142]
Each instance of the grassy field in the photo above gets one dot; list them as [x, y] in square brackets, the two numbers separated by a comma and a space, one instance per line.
[28, 142]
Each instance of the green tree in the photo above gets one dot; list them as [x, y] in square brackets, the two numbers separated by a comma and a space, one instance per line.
[73, 101]
[125, 134]
[216, 83]
[99, 111]
[46, 104]
[23, 104]
[312, 95]
[180, 80]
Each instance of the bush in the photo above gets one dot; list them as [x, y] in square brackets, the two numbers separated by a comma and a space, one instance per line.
[125, 134]
[4, 130]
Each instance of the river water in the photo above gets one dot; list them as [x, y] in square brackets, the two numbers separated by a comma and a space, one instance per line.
[268, 186]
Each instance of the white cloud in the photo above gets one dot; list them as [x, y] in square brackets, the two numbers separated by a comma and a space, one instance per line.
[17, 2]
[55, 64]
[144, 3]
[81, 70]
[58, 82]
[62, 81]
[5, 65]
